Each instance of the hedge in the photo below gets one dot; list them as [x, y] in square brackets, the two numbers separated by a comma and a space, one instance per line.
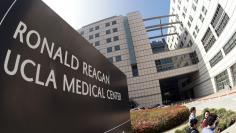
[158, 120]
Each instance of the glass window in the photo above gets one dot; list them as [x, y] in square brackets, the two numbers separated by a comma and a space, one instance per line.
[179, 1]
[97, 27]
[222, 80]
[158, 46]
[194, 7]
[186, 32]
[219, 20]
[190, 43]
[108, 40]
[108, 31]
[217, 58]
[230, 44]
[117, 47]
[194, 34]
[196, 28]
[201, 18]
[178, 7]
[97, 43]
[114, 30]
[110, 59]
[82, 33]
[164, 64]
[233, 71]
[194, 58]
[113, 22]
[189, 24]
[134, 70]
[118, 58]
[181, 44]
[185, 9]
[107, 24]
[190, 18]
[204, 10]
[116, 38]
[208, 39]
[96, 35]
[183, 14]
[91, 29]
[109, 49]
[176, 62]
[90, 37]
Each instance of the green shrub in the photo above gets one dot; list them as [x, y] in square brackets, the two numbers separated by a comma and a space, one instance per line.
[221, 112]
[158, 120]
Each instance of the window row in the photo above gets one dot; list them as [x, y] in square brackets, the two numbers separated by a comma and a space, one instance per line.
[113, 30]
[196, 31]
[176, 62]
[97, 43]
[227, 48]
[230, 44]
[117, 59]
[233, 72]
[94, 36]
[219, 20]
[110, 23]
[208, 39]
[98, 27]
[116, 48]
[115, 38]
[217, 58]
[94, 28]
[107, 32]
[222, 80]
[108, 40]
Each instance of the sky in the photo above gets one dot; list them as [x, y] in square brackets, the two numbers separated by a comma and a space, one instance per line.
[79, 13]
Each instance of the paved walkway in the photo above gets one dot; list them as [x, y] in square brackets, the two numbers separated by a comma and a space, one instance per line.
[223, 99]
[231, 129]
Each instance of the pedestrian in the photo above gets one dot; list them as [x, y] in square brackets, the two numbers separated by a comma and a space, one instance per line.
[193, 126]
[230, 87]
[212, 121]
[204, 121]
[192, 114]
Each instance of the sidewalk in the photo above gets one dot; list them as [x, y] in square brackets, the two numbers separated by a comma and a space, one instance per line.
[219, 94]
[231, 129]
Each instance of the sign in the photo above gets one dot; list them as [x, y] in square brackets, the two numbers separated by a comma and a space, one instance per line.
[52, 79]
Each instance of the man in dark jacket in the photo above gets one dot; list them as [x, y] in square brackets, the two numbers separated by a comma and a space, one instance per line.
[193, 126]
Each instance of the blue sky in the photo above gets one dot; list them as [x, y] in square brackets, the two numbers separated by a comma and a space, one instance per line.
[82, 12]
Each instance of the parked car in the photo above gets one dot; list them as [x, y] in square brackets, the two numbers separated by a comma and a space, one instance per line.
[132, 104]
[138, 108]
